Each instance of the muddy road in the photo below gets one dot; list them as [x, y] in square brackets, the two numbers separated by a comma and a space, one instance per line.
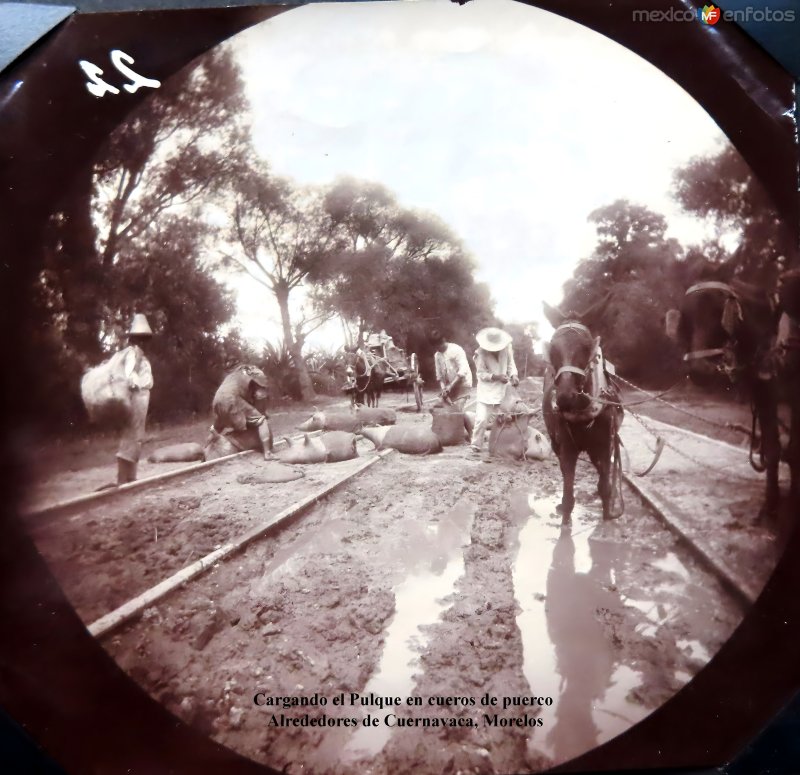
[438, 580]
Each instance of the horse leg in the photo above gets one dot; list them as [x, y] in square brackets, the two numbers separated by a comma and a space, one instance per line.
[766, 401]
[601, 459]
[567, 460]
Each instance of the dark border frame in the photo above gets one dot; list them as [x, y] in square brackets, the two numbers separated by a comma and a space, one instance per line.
[57, 681]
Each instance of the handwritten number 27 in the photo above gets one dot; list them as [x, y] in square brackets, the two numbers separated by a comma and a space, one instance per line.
[98, 87]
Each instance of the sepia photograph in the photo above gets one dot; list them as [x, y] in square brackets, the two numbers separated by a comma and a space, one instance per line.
[414, 388]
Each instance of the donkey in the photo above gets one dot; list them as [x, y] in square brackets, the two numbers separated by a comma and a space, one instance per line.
[726, 328]
[581, 410]
[369, 373]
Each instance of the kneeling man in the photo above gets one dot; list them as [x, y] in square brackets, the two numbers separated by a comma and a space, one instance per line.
[234, 408]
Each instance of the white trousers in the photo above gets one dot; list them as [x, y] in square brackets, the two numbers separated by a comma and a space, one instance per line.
[484, 419]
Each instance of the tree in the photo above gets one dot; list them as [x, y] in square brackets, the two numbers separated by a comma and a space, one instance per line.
[164, 276]
[397, 269]
[187, 140]
[280, 235]
[722, 190]
[174, 150]
[632, 244]
[639, 267]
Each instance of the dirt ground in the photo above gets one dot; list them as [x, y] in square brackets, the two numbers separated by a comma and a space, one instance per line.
[723, 415]
[439, 579]
[64, 468]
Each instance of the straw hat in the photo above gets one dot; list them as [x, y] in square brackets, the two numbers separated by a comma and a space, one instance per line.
[493, 339]
[140, 326]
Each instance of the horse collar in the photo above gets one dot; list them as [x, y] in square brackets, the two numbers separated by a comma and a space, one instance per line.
[712, 286]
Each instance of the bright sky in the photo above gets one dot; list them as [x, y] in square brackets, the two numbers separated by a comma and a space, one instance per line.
[510, 123]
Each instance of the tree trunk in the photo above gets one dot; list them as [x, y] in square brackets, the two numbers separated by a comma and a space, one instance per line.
[80, 274]
[295, 348]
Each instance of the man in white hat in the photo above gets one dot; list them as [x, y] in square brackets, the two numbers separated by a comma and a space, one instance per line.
[137, 371]
[233, 405]
[495, 368]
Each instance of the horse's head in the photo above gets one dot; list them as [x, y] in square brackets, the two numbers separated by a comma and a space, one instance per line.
[707, 327]
[351, 359]
[572, 348]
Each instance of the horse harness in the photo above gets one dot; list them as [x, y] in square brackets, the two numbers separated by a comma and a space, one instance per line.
[765, 360]
[731, 313]
[768, 357]
[594, 373]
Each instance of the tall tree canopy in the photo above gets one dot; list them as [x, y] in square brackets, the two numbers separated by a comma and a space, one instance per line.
[722, 190]
[397, 269]
[280, 235]
[126, 220]
[637, 264]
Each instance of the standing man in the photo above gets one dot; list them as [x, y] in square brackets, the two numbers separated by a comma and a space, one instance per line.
[233, 405]
[137, 372]
[452, 370]
[495, 367]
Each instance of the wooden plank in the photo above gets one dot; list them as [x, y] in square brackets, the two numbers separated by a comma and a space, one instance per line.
[125, 612]
[738, 585]
[92, 497]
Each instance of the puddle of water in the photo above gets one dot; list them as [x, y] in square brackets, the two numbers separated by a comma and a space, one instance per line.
[695, 650]
[566, 652]
[435, 562]
[418, 601]
[287, 558]
[671, 564]
[615, 713]
[657, 614]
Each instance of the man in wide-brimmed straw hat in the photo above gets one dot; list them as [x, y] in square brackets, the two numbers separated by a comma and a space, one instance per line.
[495, 368]
[139, 375]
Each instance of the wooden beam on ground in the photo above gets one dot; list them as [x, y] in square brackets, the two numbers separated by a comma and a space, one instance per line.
[736, 583]
[110, 492]
[127, 611]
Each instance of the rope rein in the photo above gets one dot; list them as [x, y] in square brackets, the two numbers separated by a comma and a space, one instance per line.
[658, 397]
[659, 438]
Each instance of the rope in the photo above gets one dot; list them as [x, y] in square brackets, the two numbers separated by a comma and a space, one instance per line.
[686, 455]
[650, 396]
[505, 420]
[657, 397]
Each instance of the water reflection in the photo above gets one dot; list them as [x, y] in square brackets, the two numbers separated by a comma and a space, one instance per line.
[583, 655]
[435, 562]
[565, 583]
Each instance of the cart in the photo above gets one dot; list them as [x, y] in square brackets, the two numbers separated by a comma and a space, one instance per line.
[401, 370]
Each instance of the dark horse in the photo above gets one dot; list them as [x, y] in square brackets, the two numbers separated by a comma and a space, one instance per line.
[580, 408]
[368, 372]
[728, 330]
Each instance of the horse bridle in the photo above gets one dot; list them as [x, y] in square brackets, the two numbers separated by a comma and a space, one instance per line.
[570, 369]
[586, 373]
[735, 305]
